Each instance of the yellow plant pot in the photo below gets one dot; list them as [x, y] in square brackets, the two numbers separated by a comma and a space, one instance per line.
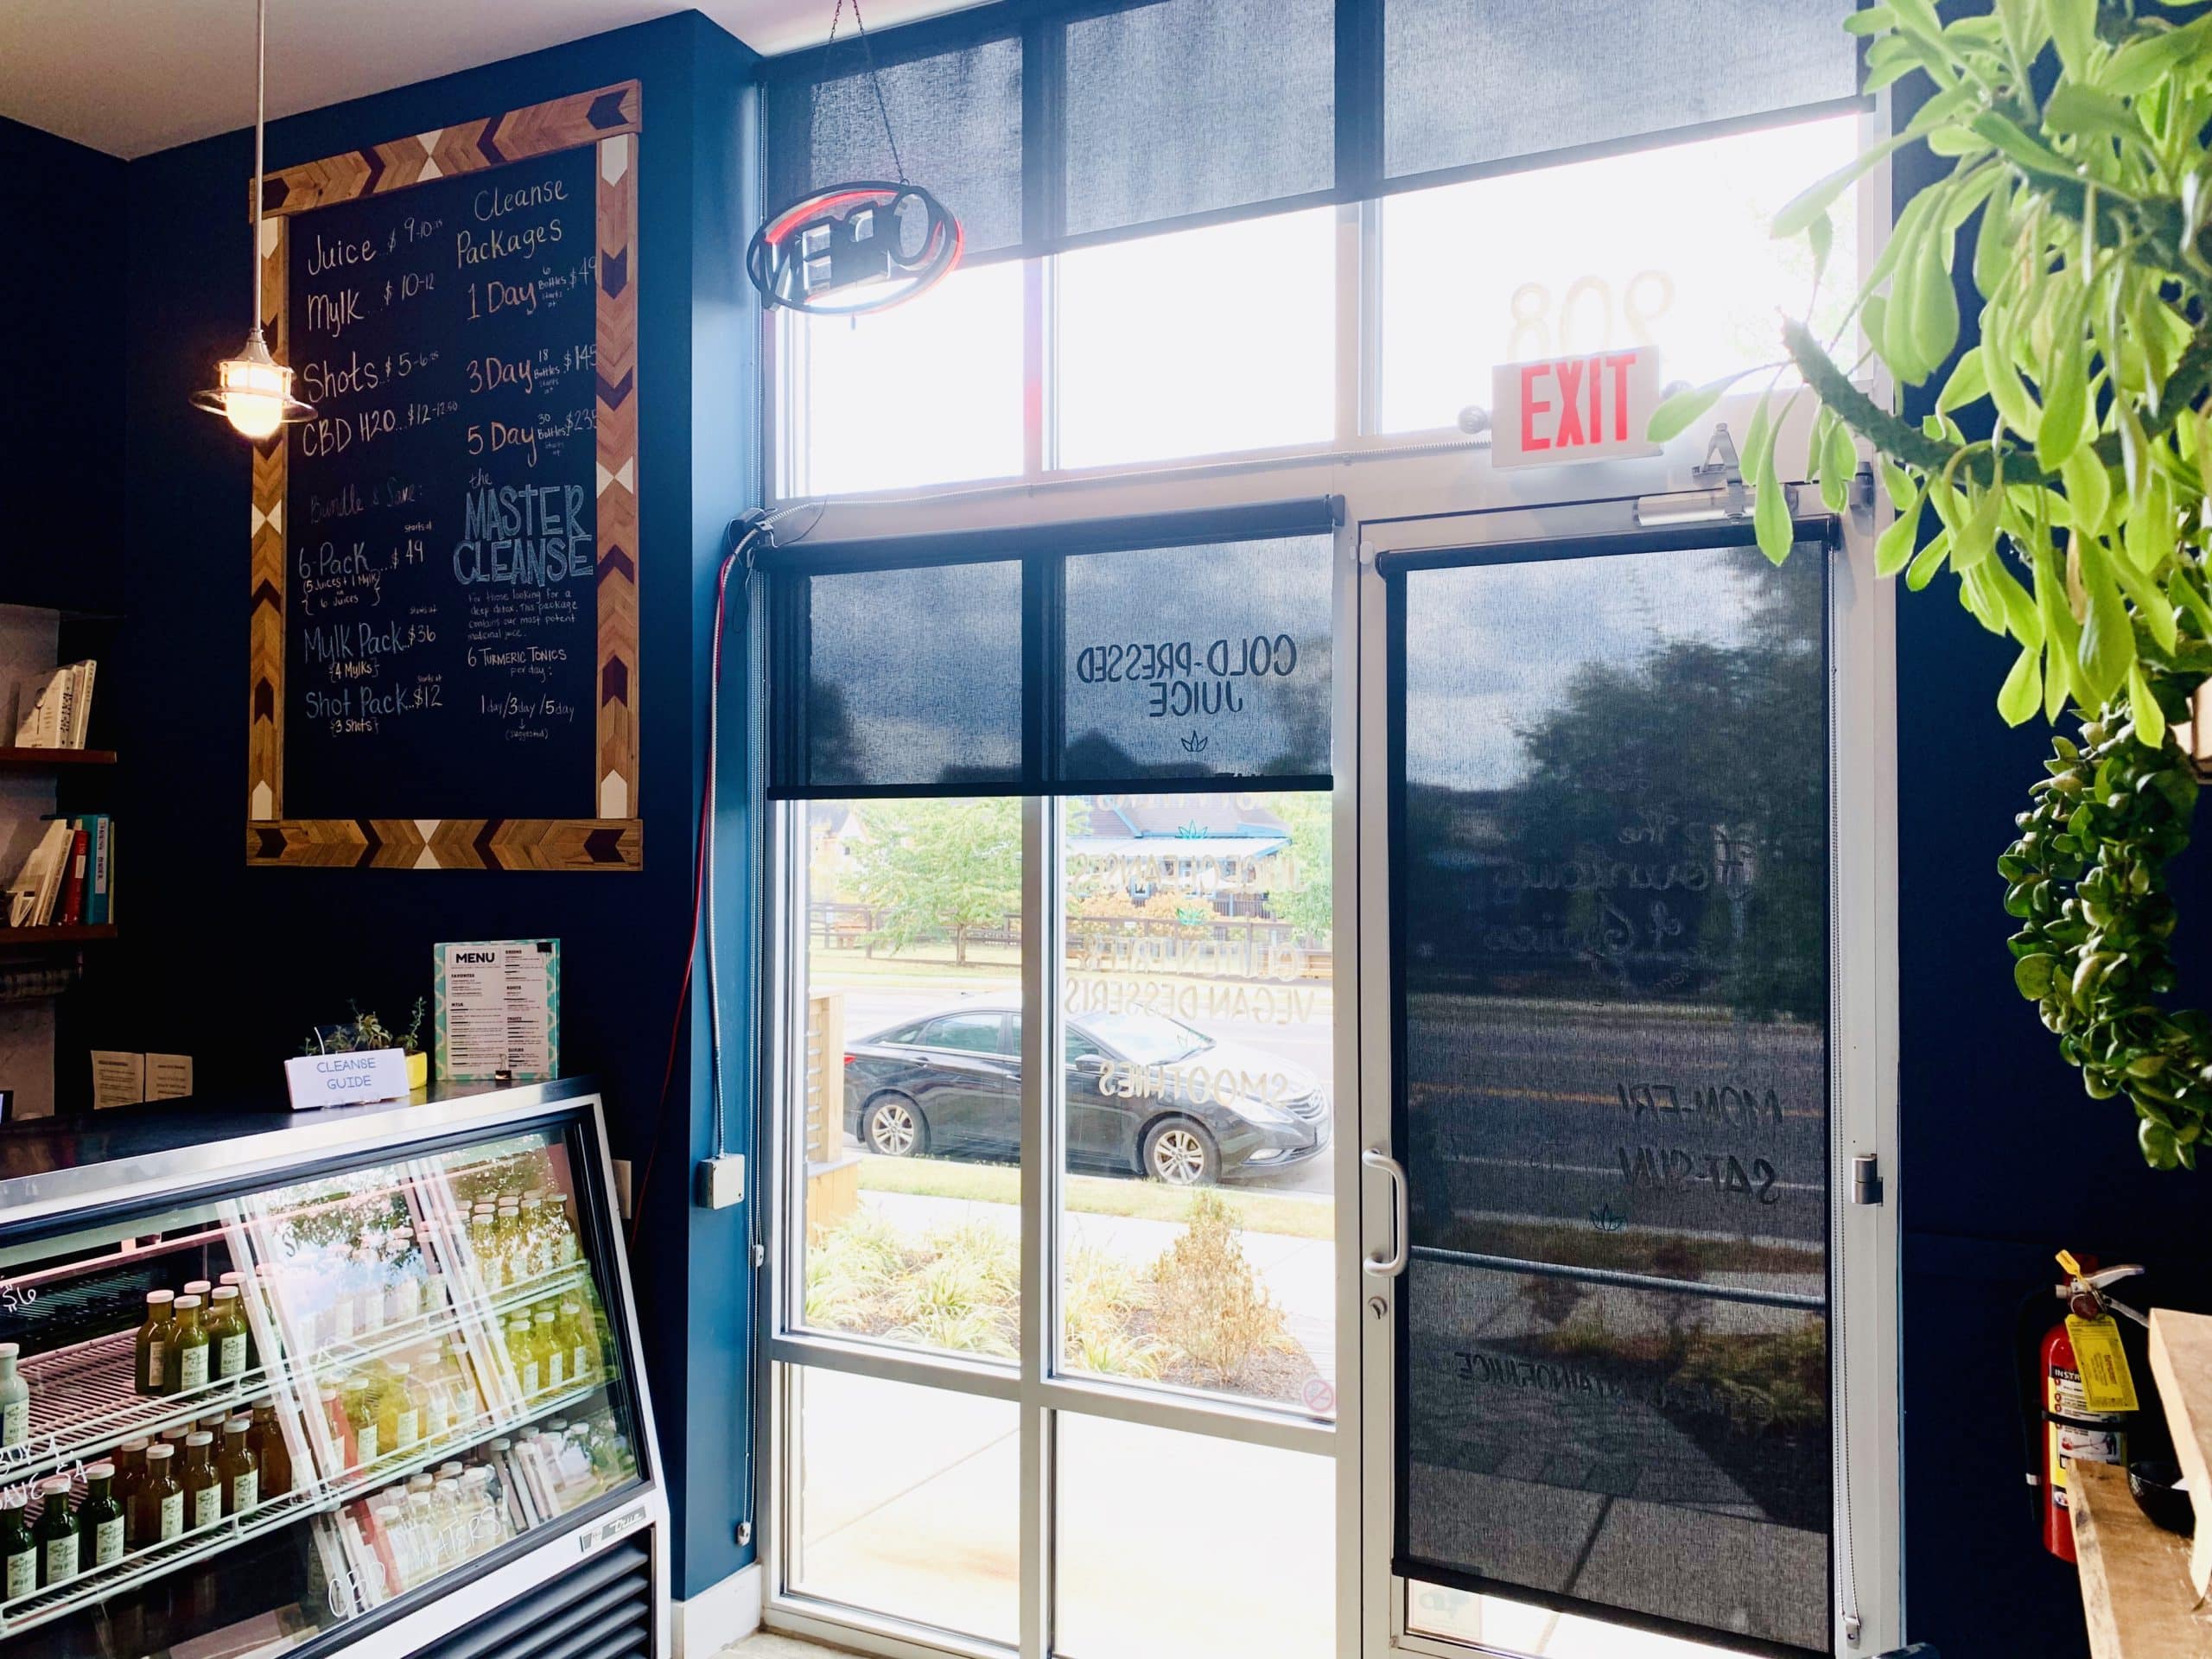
[418, 1070]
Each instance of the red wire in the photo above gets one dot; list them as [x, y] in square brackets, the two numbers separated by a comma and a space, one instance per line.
[698, 893]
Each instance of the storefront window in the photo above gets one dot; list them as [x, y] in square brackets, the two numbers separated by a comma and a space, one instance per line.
[911, 1113]
[1666, 247]
[1198, 1005]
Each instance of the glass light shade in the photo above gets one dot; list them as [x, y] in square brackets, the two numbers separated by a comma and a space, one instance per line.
[253, 391]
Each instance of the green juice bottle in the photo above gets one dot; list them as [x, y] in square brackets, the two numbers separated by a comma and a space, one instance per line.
[191, 1349]
[226, 1334]
[99, 1522]
[18, 1549]
[55, 1533]
[15, 1400]
[159, 1498]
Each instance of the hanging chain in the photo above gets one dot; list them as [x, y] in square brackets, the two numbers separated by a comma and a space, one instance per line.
[874, 79]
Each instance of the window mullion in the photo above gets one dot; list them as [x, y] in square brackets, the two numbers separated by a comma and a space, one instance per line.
[1039, 1149]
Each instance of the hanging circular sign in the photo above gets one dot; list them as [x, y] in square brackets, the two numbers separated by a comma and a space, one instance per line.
[850, 248]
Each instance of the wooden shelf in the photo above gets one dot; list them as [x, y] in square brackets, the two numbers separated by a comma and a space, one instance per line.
[13, 760]
[79, 934]
[2135, 1588]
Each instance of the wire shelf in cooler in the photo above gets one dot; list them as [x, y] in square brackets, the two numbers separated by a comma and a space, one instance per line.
[97, 1584]
[83, 1400]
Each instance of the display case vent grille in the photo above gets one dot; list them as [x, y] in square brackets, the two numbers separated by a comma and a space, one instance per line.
[604, 1610]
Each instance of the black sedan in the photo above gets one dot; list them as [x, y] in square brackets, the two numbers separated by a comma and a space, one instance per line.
[1146, 1095]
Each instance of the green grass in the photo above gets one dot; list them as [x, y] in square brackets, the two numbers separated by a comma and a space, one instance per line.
[1280, 1214]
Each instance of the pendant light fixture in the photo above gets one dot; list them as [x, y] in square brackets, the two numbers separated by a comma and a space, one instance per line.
[252, 390]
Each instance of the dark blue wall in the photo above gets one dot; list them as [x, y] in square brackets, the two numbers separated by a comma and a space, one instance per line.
[61, 360]
[231, 964]
[2006, 1160]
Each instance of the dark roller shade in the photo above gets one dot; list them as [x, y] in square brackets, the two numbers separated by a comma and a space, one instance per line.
[1611, 904]
[956, 116]
[1472, 83]
[1096, 655]
[902, 680]
[1194, 106]
[1194, 663]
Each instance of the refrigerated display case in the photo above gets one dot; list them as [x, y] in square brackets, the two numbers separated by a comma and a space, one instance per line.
[391, 1353]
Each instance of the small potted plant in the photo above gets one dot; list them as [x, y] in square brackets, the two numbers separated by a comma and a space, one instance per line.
[366, 1031]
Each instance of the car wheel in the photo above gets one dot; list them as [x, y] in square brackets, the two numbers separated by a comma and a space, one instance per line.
[1181, 1153]
[893, 1127]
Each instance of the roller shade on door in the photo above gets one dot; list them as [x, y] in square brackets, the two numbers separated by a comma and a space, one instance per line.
[1611, 909]
[1190, 649]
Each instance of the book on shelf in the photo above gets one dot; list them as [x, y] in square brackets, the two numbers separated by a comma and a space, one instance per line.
[68, 879]
[54, 710]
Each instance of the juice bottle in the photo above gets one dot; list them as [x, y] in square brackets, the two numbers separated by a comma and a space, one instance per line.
[552, 1353]
[159, 1497]
[522, 1355]
[15, 1399]
[191, 1347]
[483, 1244]
[199, 1287]
[267, 1439]
[340, 1426]
[564, 1233]
[507, 1235]
[156, 1336]
[399, 1409]
[203, 1486]
[226, 1333]
[583, 1352]
[359, 1400]
[55, 1533]
[99, 1522]
[18, 1549]
[129, 1475]
[239, 1468]
[369, 1307]
[536, 1247]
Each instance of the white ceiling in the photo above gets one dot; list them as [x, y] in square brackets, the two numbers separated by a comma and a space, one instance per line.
[133, 76]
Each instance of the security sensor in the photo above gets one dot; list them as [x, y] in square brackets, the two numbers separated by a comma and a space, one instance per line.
[1474, 419]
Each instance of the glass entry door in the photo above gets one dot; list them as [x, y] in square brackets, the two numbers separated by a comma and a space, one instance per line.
[1608, 772]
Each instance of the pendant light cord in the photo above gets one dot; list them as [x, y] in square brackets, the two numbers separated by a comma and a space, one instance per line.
[260, 120]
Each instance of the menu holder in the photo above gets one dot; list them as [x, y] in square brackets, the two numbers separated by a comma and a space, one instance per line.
[444, 619]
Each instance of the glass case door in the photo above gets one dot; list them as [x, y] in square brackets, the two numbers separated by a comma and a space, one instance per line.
[305, 1404]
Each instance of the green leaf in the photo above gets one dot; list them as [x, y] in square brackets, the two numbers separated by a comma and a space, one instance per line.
[2154, 608]
[1893, 549]
[1929, 561]
[2088, 491]
[2074, 30]
[1872, 21]
[2139, 65]
[2066, 393]
[1797, 215]
[2150, 719]
[1676, 415]
[1993, 247]
[1969, 382]
[1935, 304]
[1769, 507]
[2107, 647]
[2006, 390]
[2014, 143]
[2033, 973]
[1821, 237]
[2082, 109]
[1839, 465]
[2060, 631]
[1898, 484]
[2020, 697]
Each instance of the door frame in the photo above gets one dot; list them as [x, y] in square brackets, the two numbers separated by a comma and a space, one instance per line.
[1868, 1524]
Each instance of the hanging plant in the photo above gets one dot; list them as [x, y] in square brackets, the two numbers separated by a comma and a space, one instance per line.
[2077, 529]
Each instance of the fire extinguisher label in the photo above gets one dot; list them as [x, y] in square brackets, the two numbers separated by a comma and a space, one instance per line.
[2106, 1382]
[2077, 1441]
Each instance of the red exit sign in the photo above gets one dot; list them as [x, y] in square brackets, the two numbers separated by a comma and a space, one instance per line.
[1567, 408]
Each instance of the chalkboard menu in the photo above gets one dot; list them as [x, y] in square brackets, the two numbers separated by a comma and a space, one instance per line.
[444, 616]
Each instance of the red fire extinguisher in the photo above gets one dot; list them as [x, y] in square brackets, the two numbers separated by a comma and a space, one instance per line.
[2073, 1432]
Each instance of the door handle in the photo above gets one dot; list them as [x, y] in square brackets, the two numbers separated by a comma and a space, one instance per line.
[1390, 1266]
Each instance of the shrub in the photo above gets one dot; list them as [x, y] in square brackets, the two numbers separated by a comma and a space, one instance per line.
[1207, 1307]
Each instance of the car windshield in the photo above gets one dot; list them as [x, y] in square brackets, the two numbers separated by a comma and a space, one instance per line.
[1146, 1039]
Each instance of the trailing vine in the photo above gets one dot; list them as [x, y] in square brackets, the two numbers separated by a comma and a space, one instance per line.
[2087, 878]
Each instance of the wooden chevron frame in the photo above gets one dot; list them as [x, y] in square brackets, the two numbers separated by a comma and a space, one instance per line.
[610, 119]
